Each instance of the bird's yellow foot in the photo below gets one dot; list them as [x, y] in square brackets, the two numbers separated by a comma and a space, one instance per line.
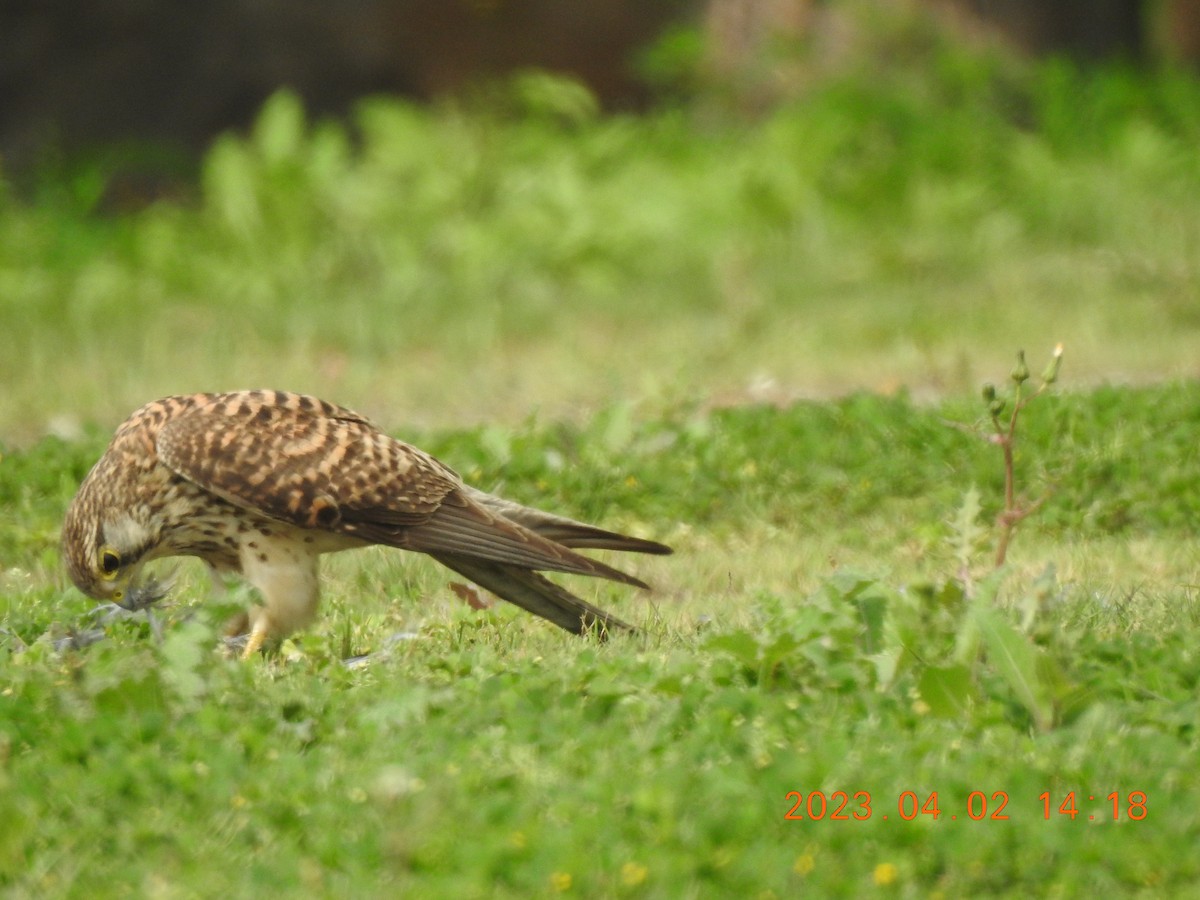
[255, 641]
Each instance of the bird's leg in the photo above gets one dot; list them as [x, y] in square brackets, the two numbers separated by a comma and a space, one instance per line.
[284, 570]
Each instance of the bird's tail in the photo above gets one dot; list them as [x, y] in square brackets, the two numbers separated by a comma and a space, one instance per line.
[535, 593]
[564, 531]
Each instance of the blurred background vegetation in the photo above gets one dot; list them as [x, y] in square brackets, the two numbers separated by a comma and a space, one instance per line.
[444, 213]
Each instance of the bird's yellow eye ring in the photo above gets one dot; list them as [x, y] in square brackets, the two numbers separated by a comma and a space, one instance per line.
[110, 562]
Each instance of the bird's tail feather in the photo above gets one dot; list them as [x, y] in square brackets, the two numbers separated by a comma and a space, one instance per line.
[561, 530]
[534, 593]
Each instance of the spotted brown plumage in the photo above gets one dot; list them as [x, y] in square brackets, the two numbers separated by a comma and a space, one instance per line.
[262, 482]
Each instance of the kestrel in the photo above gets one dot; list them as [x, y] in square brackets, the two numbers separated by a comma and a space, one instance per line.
[261, 483]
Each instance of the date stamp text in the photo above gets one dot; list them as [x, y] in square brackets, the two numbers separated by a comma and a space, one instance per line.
[846, 806]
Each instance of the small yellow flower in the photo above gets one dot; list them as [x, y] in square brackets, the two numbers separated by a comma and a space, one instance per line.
[804, 864]
[886, 874]
[561, 881]
[633, 874]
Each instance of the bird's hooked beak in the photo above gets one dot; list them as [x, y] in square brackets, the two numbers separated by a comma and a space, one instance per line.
[143, 591]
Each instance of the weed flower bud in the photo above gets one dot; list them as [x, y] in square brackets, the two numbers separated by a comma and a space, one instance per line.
[1020, 372]
[996, 406]
[989, 392]
[1050, 375]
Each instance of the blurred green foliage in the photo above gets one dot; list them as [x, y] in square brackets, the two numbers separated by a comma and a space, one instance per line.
[880, 222]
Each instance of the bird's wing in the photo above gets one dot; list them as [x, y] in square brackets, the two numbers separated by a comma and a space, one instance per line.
[303, 465]
[327, 468]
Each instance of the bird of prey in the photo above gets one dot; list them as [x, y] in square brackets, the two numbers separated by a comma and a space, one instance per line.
[261, 483]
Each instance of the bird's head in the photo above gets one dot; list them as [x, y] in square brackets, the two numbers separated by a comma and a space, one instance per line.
[104, 550]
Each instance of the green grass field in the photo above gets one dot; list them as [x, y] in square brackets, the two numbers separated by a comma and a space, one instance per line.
[746, 339]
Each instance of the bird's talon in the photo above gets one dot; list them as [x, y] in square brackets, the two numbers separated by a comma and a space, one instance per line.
[254, 642]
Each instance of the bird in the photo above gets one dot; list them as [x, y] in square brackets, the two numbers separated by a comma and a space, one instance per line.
[261, 483]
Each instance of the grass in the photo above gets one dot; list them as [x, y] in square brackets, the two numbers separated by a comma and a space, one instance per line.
[491, 755]
[429, 266]
[742, 338]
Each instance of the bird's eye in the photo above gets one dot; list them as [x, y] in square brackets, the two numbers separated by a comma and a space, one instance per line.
[109, 562]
